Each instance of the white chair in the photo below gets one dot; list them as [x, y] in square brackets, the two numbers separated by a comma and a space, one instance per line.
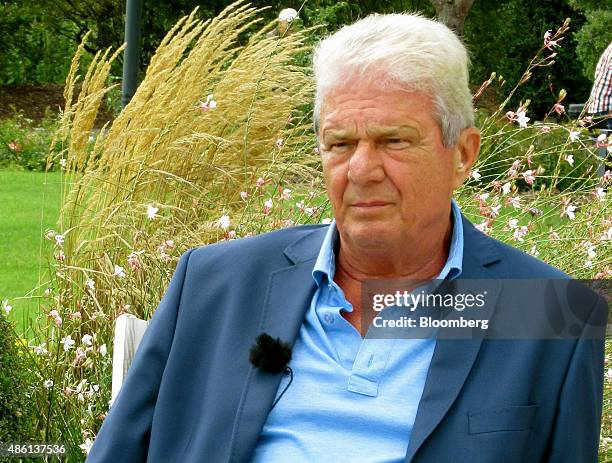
[129, 330]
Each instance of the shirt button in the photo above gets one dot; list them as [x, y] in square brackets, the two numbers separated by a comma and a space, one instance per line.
[329, 318]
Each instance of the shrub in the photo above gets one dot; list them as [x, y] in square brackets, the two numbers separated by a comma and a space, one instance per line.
[17, 407]
[24, 146]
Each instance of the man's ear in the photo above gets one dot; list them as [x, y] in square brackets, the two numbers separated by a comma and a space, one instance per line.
[465, 153]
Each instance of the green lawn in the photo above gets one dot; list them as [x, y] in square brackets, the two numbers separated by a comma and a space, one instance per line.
[29, 204]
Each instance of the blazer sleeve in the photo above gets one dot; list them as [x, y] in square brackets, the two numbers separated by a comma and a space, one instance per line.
[124, 435]
[578, 422]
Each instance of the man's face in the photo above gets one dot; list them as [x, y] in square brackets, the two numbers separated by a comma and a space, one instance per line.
[388, 176]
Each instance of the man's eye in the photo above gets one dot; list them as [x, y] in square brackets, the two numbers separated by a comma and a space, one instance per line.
[396, 143]
[338, 146]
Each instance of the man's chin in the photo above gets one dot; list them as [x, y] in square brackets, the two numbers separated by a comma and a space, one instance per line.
[370, 235]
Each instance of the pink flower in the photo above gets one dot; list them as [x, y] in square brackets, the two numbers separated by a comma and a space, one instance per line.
[285, 194]
[529, 176]
[14, 145]
[56, 316]
[134, 260]
[268, 206]
[520, 232]
[545, 129]
[514, 201]
[79, 357]
[244, 195]
[484, 227]
[208, 104]
[511, 116]
[548, 42]
[559, 108]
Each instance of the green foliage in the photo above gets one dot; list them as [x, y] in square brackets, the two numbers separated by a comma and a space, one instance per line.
[30, 52]
[593, 38]
[22, 145]
[16, 387]
[502, 37]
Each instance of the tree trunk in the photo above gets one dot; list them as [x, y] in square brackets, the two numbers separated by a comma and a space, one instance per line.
[453, 13]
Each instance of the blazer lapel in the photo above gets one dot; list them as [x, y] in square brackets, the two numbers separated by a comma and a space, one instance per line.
[288, 297]
[453, 358]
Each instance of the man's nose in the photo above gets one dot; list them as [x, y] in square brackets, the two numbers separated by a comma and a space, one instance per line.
[365, 165]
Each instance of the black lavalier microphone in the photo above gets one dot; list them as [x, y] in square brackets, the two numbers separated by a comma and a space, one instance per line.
[272, 356]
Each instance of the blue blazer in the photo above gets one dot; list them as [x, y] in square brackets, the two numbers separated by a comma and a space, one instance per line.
[191, 394]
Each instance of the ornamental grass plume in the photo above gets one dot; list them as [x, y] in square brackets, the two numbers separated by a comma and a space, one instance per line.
[192, 159]
[202, 127]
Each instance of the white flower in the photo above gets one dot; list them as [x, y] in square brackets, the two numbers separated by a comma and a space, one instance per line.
[152, 212]
[244, 195]
[326, 221]
[59, 239]
[574, 135]
[521, 118]
[224, 222]
[68, 342]
[288, 14]
[40, 349]
[279, 143]
[7, 308]
[309, 211]
[118, 272]
[208, 104]
[607, 235]
[48, 383]
[569, 211]
[86, 446]
[520, 232]
[103, 350]
[570, 159]
[600, 193]
[62, 162]
[475, 174]
[86, 340]
[286, 194]
[534, 251]
[591, 253]
[91, 284]
[506, 188]
[513, 223]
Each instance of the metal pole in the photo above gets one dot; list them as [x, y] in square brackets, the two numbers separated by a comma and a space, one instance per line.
[133, 17]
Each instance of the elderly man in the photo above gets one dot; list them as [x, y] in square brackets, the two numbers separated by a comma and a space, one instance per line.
[394, 122]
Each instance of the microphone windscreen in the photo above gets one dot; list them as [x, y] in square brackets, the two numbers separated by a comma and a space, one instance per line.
[269, 354]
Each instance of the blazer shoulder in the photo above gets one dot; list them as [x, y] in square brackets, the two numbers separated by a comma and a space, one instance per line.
[267, 245]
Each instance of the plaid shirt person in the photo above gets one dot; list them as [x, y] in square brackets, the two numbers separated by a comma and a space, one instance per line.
[601, 93]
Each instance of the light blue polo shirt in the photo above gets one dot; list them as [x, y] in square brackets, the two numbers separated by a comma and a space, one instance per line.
[352, 398]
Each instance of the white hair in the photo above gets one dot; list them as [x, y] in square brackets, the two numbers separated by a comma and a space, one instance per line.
[417, 53]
